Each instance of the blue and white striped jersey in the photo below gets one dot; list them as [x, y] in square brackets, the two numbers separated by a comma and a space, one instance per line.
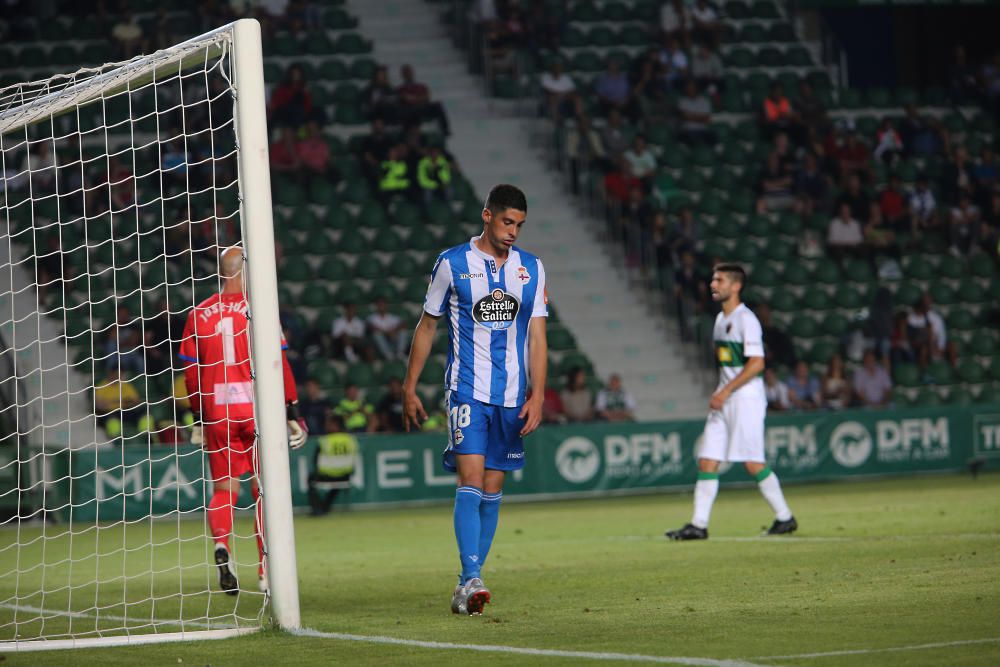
[488, 309]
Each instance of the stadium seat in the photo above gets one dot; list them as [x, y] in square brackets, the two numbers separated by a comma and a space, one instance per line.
[296, 272]
[334, 269]
[784, 301]
[971, 371]
[315, 295]
[803, 326]
[836, 325]
[352, 43]
[387, 240]
[982, 266]
[827, 272]
[821, 352]
[906, 375]
[361, 374]
[369, 267]
[940, 371]
[942, 293]
[962, 319]
[796, 274]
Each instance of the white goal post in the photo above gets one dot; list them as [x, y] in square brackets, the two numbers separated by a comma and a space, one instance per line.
[120, 186]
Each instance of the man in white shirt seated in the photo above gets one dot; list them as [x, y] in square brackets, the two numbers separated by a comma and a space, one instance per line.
[387, 332]
[614, 403]
[844, 235]
[561, 98]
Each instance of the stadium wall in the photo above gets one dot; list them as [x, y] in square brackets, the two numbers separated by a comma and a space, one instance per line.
[563, 461]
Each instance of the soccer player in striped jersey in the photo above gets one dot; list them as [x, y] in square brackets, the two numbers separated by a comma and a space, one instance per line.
[492, 296]
[215, 350]
[734, 430]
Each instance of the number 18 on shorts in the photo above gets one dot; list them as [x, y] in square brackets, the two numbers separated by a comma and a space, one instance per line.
[492, 431]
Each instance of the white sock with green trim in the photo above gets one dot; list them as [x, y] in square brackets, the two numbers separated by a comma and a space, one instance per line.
[770, 488]
[705, 490]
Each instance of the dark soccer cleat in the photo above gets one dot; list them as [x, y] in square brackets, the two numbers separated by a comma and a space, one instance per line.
[783, 527]
[477, 596]
[688, 532]
[227, 580]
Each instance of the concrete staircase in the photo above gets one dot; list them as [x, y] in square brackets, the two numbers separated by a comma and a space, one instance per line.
[610, 320]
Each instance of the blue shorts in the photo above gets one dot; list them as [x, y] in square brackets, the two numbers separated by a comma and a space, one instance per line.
[492, 431]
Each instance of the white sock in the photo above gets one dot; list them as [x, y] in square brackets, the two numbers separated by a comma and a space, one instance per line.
[705, 491]
[771, 490]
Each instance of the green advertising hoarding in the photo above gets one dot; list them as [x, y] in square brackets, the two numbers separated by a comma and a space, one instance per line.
[565, 460]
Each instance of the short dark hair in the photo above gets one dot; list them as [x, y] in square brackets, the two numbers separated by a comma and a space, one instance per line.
[506, 196]
[734, 271]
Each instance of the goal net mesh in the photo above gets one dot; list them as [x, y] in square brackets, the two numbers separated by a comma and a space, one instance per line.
[120, 186]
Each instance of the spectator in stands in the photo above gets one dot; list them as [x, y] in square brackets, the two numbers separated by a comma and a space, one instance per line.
[963, 227]
[174, 162]
[774, 186]
[844, 235]
[811, 110]
[39, 167]
[991, 84]
[313, 406]
[892, 205]
[561, 97]
[292, 104]
[314, 153]
[684, 236]
[675, 19]
[853, 158]
[614, 403]
[635, 217]
[116, 402]
[124, 343]
[333, 464]
[923, 205]
[803, 388]
[650, 89]
[985, 174]
[434, 175]
[387, 331]
[855, 196]
[989, 237]
[871, 384]
[613, 90]
[390, 407]
[416, 103]
[921, 135]
[577, 399]
[707, 26]
[690, 294]
[375, 148]
[553, 410]
[776, 392]
[675, 62]
[614, 136]
[394, 177]
[379, 98]
[835, 391]
[584, 148]
[707, 70]
[779, 350]
[810, 185]
[641, 161]
[779, 116]
[348, 333]
[357, 414]
[888, 143]
[695, 113]
[956, 178]
[283, 154]
[619, 184]
[127, 34]
[938, 346]
[879, 236]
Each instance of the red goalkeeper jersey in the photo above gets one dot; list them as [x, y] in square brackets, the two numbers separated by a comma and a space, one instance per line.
[216, 349]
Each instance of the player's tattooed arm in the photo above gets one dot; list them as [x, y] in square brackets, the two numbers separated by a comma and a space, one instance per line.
[423, 338]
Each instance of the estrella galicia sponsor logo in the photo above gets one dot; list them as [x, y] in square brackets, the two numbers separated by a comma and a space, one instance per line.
[577, 460]
[497, 310]
[850, 444]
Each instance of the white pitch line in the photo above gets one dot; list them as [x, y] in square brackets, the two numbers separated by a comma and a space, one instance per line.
[891, 649]
[111, 617]
[519, 650]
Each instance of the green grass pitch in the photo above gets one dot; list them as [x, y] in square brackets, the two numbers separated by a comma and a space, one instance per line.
[884, 564]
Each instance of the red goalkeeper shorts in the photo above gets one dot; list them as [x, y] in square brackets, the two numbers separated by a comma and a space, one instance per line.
[230, 448]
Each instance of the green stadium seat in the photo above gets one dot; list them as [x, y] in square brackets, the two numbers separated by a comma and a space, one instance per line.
[361, 374]
[334, 269]
[633, 35]
[989, 395]
[433, 372]
[752, 33]
[738, 10]
[836, 325]
[796, 274]
[337, 18]
[907, 294]
[847, 296]
[982, 266]
[333, 69]
[745, 253]
[315, 295]
[352, 43]
[940, 372]
[740, 57]
[918, 267]
[781, 32]
[906, 375]
[362, 68]
[352, 242]
[821, 352]
[971, 371]
[798, 56]
[350, 292]
[927, 397]
[962, 319]
[803, 326]
[387, 240]
[369, 267]
[827, 272]
[942, 293]
[586, 61]
[764, 9]
[784, 301]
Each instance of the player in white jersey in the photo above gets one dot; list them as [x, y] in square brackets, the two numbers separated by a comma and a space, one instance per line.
[493, 294]
[734, 430]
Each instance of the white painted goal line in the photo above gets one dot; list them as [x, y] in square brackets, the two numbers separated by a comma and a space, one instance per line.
[223, 631]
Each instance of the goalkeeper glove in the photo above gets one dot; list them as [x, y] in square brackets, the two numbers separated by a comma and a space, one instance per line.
[297, 429]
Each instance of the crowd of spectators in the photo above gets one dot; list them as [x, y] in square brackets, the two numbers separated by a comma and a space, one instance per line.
[578, 402]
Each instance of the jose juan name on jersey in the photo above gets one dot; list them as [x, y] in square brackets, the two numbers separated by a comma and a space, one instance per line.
[488, 308]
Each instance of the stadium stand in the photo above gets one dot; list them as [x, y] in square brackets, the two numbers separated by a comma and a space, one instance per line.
[340, 240]
[764, 188]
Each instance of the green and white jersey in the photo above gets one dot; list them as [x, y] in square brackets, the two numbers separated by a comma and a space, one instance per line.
[738, 337]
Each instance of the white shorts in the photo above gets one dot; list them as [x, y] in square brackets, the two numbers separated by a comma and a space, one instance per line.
[736, 432]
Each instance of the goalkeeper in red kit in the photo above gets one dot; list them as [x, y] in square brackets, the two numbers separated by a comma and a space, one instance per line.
[216, 352]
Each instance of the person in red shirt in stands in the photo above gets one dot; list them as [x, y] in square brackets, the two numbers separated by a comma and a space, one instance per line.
[292, 104]
[216, 352]
[778, 115]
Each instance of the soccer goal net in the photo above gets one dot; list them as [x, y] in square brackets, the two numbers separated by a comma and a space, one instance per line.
[121, 185]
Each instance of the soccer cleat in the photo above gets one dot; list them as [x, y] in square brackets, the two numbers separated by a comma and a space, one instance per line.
[458, 605]
[477, 596]
[227, 580]
[783, 527]
[688, 532]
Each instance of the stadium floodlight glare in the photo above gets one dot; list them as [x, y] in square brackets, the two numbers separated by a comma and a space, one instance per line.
[120, 186]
